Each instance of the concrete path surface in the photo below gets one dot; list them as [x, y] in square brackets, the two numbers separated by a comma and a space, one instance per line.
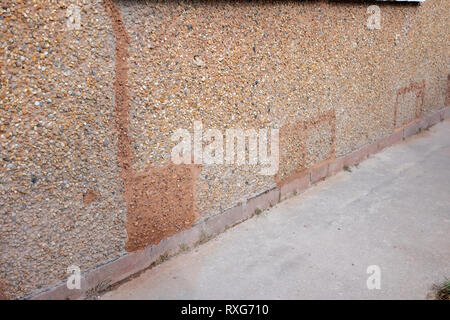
[392, 211]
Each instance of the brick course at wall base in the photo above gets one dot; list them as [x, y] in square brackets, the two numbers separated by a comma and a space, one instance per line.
[120, 269]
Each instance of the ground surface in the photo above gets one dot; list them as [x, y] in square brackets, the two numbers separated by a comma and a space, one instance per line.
[392, 211]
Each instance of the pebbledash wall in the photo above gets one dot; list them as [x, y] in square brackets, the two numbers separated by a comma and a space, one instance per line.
[87, 114]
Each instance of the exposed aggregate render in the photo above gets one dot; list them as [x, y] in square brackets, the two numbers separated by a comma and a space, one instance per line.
[228, 64]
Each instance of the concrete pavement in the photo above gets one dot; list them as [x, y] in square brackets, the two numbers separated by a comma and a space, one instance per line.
[392, 211]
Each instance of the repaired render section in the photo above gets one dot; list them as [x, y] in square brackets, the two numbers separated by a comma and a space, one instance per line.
[87, 114]
[160, 200]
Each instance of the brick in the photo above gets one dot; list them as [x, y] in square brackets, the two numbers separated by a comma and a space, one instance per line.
[369, 149]
[335, 166]
[219, 223]
[171, 245]
[59, 292]
[423, 124]
[391, 139]
[355, 157]
[411, 129]
[295, 186]
[118, 269]
[434, 118]
[262, 202]
[361, 154]
[113, 272]
[319, 172]
[445, 113]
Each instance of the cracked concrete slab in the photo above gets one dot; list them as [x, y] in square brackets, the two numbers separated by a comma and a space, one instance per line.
[393, 211]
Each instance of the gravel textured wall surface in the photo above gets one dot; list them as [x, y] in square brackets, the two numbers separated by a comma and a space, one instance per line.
[61, 197]
[85, 171]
